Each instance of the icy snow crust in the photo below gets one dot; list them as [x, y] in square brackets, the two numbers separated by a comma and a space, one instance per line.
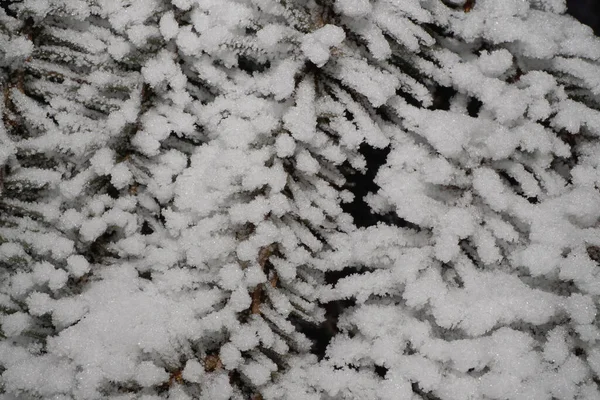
[171, 221]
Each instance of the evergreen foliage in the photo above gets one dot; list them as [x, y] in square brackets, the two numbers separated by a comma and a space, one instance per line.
[177, 177]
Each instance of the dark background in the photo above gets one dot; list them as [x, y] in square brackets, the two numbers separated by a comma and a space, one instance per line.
[586, 11]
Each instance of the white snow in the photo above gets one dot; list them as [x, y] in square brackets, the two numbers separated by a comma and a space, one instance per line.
[353, 8]
[15, 324]
[168, 26]
[172, 184]
[285, 145]
[92, 229]
[317, 45]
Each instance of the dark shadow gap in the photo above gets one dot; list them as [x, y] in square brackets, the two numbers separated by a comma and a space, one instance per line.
[362, 184]
[587, 12]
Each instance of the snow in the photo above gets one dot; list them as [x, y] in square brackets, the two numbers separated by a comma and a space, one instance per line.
[92, 229]
[168, 26]
[230, 356]
[9, 250]
[172, 186]
[148, 374]
[47, 375]
[245, 338]
[17, 49]
[377, 86]
[285, 146]
[39, 303]
[539, 259]
[257, 373]
[103, 161]
[301, 119]
[353, 8]
[240, 300]
[317, 45]
[133, 245]
[306, 163]
[193, 371]
[581, 308]
[254, 276]
[556, 349]
[119, 325]
[217, 387]
[120, 176]
[15, 324]
[45, 273]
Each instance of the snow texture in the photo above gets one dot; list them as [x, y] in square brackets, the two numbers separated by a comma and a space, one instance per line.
[178, 196]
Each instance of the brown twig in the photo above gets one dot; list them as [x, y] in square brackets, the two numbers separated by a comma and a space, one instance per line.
[212, 363]
[257, 294]
[274, 280]
[176, 377]
[468, 6]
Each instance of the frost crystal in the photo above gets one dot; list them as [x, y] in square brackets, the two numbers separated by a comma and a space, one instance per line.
[309, 199]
